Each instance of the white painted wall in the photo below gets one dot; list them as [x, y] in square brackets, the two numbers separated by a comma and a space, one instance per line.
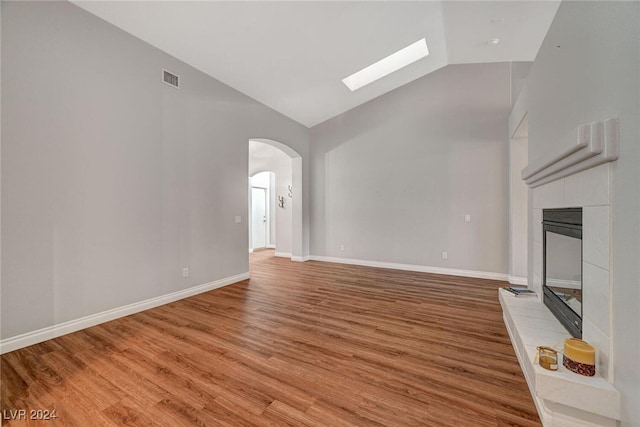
[261, 179]
[588, 68]
[518, 217]
[112, 181]
[393, 179]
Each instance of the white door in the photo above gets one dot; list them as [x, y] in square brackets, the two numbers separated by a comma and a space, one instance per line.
[258, 217]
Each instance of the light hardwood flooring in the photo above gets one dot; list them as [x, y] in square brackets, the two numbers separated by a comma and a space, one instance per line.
[301, 344]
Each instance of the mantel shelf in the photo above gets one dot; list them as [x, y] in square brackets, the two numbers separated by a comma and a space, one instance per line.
[531, 324]
[587, 146]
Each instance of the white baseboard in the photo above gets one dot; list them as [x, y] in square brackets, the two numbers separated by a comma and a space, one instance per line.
[283, 254]
[34, 337]
[271, 246]
[514, 280]
[411, 267]
[300, 258]
[250, 250]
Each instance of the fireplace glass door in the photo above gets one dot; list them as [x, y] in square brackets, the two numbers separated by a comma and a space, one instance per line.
[564, 269]
[562, 263]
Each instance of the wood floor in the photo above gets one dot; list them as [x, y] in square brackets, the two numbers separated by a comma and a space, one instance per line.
[299, 344]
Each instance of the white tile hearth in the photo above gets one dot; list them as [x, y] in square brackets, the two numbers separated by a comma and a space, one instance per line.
[562, 397]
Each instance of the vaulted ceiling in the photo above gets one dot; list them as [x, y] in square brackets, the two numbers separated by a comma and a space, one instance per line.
[293, 55]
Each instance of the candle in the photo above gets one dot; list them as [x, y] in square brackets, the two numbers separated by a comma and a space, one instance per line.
[548, 358]
[579, 351]
[579, 357]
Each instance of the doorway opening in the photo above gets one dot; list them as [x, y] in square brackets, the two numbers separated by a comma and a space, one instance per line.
[275, 170]
[261, 208]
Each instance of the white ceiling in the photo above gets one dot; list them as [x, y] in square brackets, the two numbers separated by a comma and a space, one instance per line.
[292, 55]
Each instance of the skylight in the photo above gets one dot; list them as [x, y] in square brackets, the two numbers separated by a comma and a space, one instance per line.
[388, 65]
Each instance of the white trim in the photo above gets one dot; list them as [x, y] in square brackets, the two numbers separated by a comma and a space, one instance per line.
[40, 335]
[250, 250]
[271, 246]
[283, 254]
[514, 280]
[301, 258]
[411, 267]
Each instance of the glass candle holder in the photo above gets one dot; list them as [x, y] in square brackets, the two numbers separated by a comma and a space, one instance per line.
[548, 358]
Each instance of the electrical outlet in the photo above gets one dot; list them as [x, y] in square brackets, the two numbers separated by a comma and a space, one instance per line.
[467, 218]
[185, 272]
[238, 219]
[445, 255]
[342, 247]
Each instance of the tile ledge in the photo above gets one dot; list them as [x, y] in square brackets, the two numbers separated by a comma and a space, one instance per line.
[597, 401]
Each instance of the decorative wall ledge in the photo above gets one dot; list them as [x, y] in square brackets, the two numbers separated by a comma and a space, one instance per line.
[587, 146]
[562, 397]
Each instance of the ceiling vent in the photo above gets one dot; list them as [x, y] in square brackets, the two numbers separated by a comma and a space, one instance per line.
[170, 79]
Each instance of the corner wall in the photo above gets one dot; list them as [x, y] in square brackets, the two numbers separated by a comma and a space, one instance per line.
[393, 179]
[112, 181]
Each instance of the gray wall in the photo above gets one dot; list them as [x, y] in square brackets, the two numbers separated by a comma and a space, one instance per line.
[519, 73]
[518, 214]
[393, 179]
[588, 68]
[111, 180]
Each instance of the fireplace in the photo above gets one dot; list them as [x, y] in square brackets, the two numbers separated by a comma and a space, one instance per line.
[562, 266]
[577, 172]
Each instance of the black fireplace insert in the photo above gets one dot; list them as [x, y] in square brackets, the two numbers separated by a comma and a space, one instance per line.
[562, 266]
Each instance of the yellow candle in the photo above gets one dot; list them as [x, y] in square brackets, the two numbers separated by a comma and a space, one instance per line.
[579, 351]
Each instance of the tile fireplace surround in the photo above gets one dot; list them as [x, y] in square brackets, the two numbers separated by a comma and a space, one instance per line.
[577, 175]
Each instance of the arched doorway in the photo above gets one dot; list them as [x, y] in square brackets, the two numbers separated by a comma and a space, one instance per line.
[287, 190]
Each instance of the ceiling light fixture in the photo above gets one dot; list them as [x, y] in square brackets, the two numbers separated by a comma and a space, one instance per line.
[388, 65]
